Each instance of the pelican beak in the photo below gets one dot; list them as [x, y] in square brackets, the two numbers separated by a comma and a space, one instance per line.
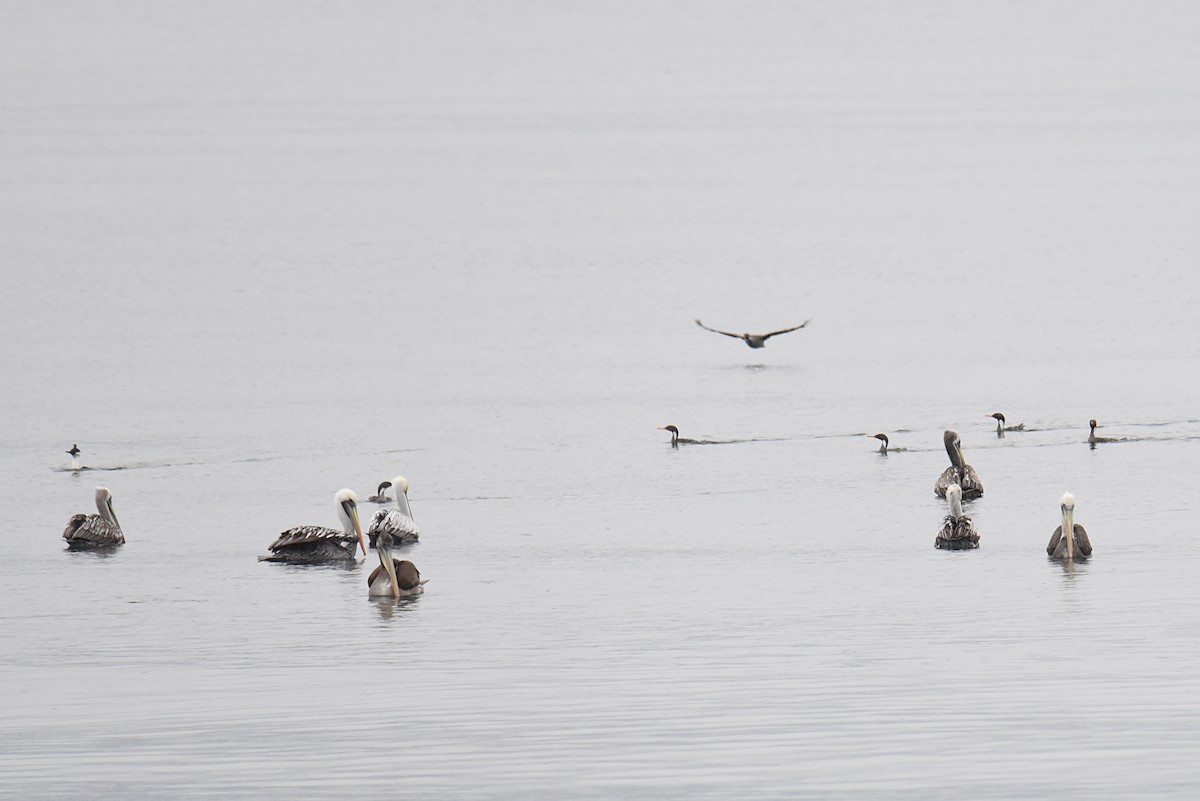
[1069, 531]
[352, 510]
[108, 503]
[385, 557]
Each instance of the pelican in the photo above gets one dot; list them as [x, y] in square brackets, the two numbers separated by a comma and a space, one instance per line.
[755, 340]
[398, 522]
[959, 472]
[95, 531]
[1001, 426]
[74, 454]
[885, 448]
[1093, 439]
[395, 577]
[958, 532]
[1077, 546]
[310, 544]
[380, 495]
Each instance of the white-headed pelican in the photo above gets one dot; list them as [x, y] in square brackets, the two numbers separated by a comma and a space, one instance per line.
[396, 522]
[95, 531]
[1077, 546]
[308, 544]
[958, 532]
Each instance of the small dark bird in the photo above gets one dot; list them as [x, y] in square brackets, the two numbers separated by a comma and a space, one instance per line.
[1093, 439]
[755, 340]
[885, 448]
[380, 495]
[1077, 546]
[676, 440]
[1001, 426]
[74, 454]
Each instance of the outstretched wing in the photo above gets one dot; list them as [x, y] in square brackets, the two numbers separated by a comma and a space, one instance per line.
[782, 330]
[715, 331]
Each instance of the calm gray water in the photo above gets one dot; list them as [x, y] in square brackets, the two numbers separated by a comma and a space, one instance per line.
[254, 255]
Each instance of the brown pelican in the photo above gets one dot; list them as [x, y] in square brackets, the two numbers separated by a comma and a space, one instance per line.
[959, 472]
[1077, 546]
[309, 544]
[74, 454]
[398, 522]
[1093, 439]
[95, 531]
[394, 577]
[380, 495]
[958, 532]
[755, 340]
[1001, 426]
[885, 448]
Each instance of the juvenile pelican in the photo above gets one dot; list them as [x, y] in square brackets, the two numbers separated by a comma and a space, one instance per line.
[959, 472]
[755, 340]
[1093, 439]
[95, 531]
[1077, 546]
[311, 544]
[380, 495]
[398, 522]
[74, 454]
[1000, 424]
[395, 577]
[958, 532]
[886, 448]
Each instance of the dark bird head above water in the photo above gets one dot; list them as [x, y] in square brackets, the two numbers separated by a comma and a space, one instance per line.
[674, 433]
[382, 486]
[74, 450]
[882, 438]
[1092, 424]
[999, 417]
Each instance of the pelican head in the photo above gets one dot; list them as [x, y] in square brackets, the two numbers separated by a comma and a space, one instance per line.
[1067, 504]
[954, 496]
[347, 505]
[953, 448]
[401, 485]
[104, 505]
[383, 546]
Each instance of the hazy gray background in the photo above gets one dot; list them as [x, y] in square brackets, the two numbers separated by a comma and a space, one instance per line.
[253, 254]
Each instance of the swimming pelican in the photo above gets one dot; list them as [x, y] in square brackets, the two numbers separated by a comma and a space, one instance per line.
[380, 495]
[1093, 439]
[1077, 546]
[755, 340]
[95, 531]
[959, 472]
[885, 448]
[1000, 424]
[398, 522]
[74, 453]
[395, 577]
[310, 544]
[958, 532]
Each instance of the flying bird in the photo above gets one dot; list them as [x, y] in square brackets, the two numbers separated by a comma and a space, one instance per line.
[958, 532]
[313, 544]
[1076, 546]
[754, 340]
[95, 531]
[959, 472]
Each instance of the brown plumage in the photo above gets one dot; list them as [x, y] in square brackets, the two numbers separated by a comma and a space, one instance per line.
[1057, 549]
[959, 472]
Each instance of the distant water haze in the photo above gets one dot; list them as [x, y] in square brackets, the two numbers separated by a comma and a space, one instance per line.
[257, 253]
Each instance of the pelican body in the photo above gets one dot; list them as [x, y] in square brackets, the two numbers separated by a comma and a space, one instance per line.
[1078, 545]
[886, 447]
[1002, 424]
[959, 472]
[316, 544]
[755, 340]
[380, 495]
[958, 532]
[95, 531]
[397, 578]
[74, 454]
[398, 523]
[1093, 439]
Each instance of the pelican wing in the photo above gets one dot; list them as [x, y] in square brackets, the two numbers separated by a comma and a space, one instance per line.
[407, 575]
[715, 331]
[1081, 540]
[307, 535]
[1055, 540]
[972, 487]
[783, 330]
[402, 527]
[949, 476]
[91, 531]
